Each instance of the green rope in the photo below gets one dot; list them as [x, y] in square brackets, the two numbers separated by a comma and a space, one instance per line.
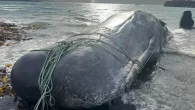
[108, 37]
[45, 79]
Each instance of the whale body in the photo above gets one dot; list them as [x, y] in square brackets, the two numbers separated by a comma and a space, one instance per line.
[106, 62]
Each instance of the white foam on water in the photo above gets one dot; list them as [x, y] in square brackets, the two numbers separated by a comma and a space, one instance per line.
[182, 42]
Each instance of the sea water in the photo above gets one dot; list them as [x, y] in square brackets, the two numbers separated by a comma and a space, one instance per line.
[63, 19]
[172, 88]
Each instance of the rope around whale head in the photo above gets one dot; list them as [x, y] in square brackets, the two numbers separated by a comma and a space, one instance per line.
[45, 79]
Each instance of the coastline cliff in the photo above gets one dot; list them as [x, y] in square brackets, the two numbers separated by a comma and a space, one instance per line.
[190, 4]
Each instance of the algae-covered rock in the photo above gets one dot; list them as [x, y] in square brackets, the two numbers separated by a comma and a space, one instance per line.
[36, 26]
[9, 31]
[2, 24]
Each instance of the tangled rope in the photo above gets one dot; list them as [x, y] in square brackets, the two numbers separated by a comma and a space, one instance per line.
[45, 79]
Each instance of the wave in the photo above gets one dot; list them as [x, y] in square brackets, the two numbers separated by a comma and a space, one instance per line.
[85, 19]
[182, 43]
[76, 25]
[176, 52]
[11, 8]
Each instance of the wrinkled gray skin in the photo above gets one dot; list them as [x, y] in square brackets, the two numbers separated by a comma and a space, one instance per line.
[89, 76]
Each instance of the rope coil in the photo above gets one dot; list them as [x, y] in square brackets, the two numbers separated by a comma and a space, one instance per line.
[45, 79]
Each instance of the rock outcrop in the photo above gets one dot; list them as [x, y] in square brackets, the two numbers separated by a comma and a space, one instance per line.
[190, 4]
[10, 31]
[186, 21]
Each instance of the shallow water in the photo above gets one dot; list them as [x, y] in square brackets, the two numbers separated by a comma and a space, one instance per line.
[170, 86]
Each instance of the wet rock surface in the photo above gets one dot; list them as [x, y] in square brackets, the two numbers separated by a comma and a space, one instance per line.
[9, 31]
[186, 21]
[33, 27]
[7, 103]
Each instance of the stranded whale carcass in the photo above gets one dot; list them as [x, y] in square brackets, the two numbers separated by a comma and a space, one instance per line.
[94, 67]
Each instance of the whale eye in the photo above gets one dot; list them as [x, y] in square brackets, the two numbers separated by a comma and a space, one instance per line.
[162, 23]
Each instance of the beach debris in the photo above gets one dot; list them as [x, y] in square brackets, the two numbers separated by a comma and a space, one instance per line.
[5, 86]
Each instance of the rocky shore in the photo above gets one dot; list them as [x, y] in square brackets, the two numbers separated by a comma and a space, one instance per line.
[7, 96]
[10, 31]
